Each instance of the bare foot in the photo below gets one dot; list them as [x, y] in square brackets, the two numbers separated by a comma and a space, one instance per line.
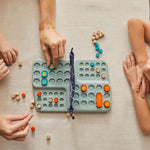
[130, 70]
[7, 51]
[3, 69]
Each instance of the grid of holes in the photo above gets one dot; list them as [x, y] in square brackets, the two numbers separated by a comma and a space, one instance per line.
[86, 71]
[44, 99]
[55, 77]
[84, 99]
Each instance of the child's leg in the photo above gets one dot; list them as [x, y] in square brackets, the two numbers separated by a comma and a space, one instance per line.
[141, 105]
[3, 69]
[7, 51]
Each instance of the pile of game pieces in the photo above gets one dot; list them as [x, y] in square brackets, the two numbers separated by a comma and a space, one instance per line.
[17, 96]
[95, 36]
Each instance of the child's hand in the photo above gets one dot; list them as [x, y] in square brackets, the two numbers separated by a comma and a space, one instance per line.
[52, 44]
[14, 131]
[130, 70]
[7, 51]
[3, 69]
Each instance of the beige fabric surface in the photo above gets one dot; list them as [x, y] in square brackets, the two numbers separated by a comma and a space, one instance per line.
[76, 20]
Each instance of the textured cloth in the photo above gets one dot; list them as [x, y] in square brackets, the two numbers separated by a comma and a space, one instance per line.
[76, 20]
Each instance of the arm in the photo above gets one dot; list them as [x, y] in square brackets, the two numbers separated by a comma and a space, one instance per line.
[52, 43]
[139, 32]
[141, 105]
[142, 111]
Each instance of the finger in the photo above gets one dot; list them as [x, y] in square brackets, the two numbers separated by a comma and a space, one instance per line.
[5, 69]
[1, 61]
[19, 134]
[5, 57]
[128, 61]
[17, 117]
[143, 88]
[16, 51]
[132, 59]
[61, 50]
[2, 65]
[14, 56]
[147, 87]
[10, 58]
[64, 44]
[46, 54]
[139, 82]
[6, 73]
[22, 123]
[125, 67]
[55, 56]
[20, 139]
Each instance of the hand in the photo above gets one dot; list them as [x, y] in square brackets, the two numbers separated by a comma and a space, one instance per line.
[14, 131]
[130, 70]
[52, 44]
[141, 80]
[7, 51]
[3, 69]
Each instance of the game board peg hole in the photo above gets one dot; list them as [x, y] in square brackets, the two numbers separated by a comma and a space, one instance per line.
[99, 87]
[56, 93]
[103, 64]
[52, 73]
[61, 99]
[44, 105]
[60, 65]
[106, 95]
[39, 99]
[59, 81]
[67, 66]
[75, 103]
[83, 103]
[52, 81]
[50, 93]
[83, 95]
[61, 93]
[92, 75]
[44, 99]
[76, 95]
[91, 95]
[37, 73]
[103, 69]
[86, 64]
[97, 64]
[86, 69]
[81, 69]
[91, 103]
[59, 73]
[44, 65]
[67, 81]
[55, 105]
[36, 81]
[81, 63]
[36, 65]
[91, 87]
[92, 69]
[44, 93]
[50, 105]
[81, 75]
[76, 87]
[67, 74]
[86, 75]
[61, 105]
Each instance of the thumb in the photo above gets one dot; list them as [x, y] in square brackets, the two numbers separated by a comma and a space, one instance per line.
[17, 117]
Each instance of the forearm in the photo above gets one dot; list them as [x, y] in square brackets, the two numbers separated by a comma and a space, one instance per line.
[142, 111]
[47, 13]
[137, 38]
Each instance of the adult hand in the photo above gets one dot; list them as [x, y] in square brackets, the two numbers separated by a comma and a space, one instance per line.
[52, 44]
[14, 131]
[7, 51]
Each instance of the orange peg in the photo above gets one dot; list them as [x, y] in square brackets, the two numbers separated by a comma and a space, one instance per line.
[56, 100]
[39, 93]
[23, 95]
[107, 88]
[107, 104]
[83, 88]
[33, 128]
